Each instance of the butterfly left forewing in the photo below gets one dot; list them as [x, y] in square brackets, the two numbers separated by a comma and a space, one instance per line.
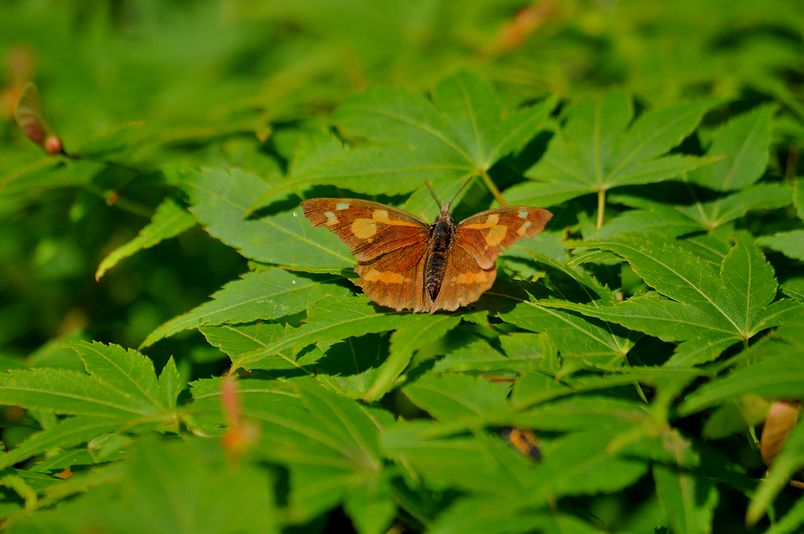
[486, 234]
[370, 229]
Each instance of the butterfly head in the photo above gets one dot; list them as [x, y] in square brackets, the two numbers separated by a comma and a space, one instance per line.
[444, 215]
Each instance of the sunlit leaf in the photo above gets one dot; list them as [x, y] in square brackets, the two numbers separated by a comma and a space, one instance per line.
[268, 294]
[600, 148]
[744, 142]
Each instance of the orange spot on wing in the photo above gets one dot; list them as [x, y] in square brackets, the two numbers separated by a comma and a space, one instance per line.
[385, 277]
[491, 222]
[381, 216]
[478, 277]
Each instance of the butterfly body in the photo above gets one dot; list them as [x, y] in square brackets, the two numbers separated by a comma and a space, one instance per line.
[442, 233]
[407, 264]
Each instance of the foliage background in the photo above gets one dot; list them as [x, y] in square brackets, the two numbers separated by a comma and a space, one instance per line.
[654, 132]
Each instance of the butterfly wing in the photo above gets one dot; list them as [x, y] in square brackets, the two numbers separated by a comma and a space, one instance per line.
[484, 235]
[396, 279]
[369, 229]
[464, 281]
[389, 244]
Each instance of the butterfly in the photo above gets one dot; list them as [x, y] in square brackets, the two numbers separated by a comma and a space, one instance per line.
[524, 441]
[405, 263]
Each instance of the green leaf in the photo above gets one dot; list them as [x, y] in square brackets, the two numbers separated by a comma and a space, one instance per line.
[169, 220]
[791, 244]
[784, 467]
[28, 182]
[794, 287]
[371, 507]
[330, 321]
[66, 433]
[656, 219]
[477, 463]
[329, 443]
[677, 220]
[220, 201]
[461, 399]
[688, 501]
[791, 522]
[716, 213]
[171, 383]
[658, 316]
[575, 464]
[461, 133]
[744, 141]
[575, 337]
[237, 340]
[593, 412]
[175, 488]
[709, 311]
[778, 377]
[596, 150]
[798, 198]
[169, 487]
[351, 366]
[266, 295]
[501, 516]
[120, 384]
[582, 463]
[477, 355]
[415, 333]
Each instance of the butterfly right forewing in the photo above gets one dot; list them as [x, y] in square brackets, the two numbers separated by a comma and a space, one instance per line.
[486, 234]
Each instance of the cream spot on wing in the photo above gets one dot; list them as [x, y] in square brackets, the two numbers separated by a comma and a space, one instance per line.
[363, 228]
[331, 218]
[342, 206]
[385, 277]
[524, 228]
[491, 221]
[496, 235]
[472, 278]
[380, 216]
[523, 213]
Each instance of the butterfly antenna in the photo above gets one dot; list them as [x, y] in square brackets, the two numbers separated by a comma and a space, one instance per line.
[467, 182]
[432, 193]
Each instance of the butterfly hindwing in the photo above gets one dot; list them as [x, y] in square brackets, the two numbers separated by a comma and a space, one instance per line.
[464, 281]
[369, 229]
[396, 279]
[485, 234]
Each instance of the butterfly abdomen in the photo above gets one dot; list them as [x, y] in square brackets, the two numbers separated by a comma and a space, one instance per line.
[441, 236]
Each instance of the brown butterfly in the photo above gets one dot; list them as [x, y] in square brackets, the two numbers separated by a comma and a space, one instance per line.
[406, 264]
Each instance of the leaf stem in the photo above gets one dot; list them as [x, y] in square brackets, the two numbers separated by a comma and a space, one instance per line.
[126, 205]
[493, 188]
[601, 207]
